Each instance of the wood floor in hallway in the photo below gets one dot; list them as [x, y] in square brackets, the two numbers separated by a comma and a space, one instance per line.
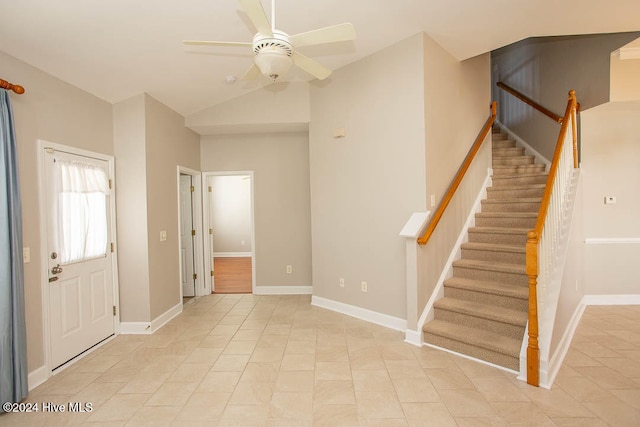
[232, 275]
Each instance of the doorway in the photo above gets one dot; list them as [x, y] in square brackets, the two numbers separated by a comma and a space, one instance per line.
[230, 221]
[77, 217]
[190, 243]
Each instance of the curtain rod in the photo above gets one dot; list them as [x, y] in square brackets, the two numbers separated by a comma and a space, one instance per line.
[9, 86]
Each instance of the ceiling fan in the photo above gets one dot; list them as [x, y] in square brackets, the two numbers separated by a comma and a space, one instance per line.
[275, 51]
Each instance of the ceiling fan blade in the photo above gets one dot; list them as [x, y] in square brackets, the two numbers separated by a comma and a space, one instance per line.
[312, 67]
[255, 12]
[336, 33]
[215, 43]
[252, 73]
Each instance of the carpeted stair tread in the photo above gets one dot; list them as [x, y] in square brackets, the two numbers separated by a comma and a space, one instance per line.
[517, 187]
[526, 215]
[507, 151]
[496, 314]
[490, 266]
[493, 247]
[487, 287]
[476, 337]
[499, 230]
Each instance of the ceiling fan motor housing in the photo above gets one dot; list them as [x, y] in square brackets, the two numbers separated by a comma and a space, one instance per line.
[273, 54]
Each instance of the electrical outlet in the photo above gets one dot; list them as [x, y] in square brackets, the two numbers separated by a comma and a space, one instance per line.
[610, 200]
[26, 255]
[342, 282]
[289, 269]
[163, 236]
[433, 200]
[363, 286]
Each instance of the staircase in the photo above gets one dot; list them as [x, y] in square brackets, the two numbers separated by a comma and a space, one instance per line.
[484, 310]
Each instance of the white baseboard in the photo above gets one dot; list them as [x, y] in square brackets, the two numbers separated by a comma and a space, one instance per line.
[611, 299]
[146, 328]
[413, 337]
[37, 377]
[283, 290]
[381, 319]
[232, 254]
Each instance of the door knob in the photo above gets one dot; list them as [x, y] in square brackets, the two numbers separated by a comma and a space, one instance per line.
[56, 270]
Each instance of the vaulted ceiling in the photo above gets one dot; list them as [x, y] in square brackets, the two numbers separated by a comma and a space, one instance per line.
[116, 49]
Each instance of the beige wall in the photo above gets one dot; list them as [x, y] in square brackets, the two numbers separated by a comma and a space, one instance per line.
[58, 112]
[625, 83]
[457, 100]
[280, 162]
[610, 153]
[168, 145]
[365, 186]
[277, 107]
[131, 205]
[545, 69]
[231, 214]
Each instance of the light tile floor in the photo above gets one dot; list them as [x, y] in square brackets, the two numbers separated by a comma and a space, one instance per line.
[245, 360]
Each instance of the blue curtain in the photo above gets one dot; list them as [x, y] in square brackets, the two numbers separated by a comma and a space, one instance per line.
[13, 343]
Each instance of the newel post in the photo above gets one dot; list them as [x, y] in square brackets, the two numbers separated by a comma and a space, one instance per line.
[533, 351]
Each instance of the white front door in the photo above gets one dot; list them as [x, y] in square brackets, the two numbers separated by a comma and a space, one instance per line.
[81, 300]
[186, 237]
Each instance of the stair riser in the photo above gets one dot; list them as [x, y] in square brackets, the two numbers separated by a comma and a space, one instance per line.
[498, 238]
[491, 276]
[473, 351]
[501, 144]
[510, 207]
[526, 169]
[504, 329]
[484, 298]
[514, 193]
[511, 161]
[513, 222]
[494, 256]
[498, 136]
[519, 180]
[508, 152]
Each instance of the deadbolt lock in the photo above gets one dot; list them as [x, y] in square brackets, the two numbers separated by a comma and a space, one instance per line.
[54, 255]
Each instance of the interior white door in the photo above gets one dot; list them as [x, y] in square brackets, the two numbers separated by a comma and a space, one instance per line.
[210, 234]
[81, 301]
[186, 236]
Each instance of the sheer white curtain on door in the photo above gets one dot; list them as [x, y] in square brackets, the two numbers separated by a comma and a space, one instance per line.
[82, 210]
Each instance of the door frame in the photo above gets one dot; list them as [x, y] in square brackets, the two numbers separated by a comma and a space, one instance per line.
[208, 255]
[43, 147]
[198, 243]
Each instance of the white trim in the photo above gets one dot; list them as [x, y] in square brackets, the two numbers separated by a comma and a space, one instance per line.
[135, 328]
[612, 241]
[209, 251]
[447, 271]
[44, 255]
[629, 52]
[415, 225]
[555, 362]
[283, 290]
[38, 376]
[147, 328]
[620, 299]
[527, 148]
[381, 319]
[413, 337]
[464, 356]
[232, 254]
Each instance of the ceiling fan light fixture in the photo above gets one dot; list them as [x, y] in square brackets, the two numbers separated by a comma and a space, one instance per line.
[273, 62]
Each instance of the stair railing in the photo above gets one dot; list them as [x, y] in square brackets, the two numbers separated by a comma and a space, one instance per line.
[543, 242]
[437, 215]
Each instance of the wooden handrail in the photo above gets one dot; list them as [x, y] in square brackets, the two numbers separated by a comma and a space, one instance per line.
[533, 240]
[9, 86]
[458, 178]
[530, 102]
